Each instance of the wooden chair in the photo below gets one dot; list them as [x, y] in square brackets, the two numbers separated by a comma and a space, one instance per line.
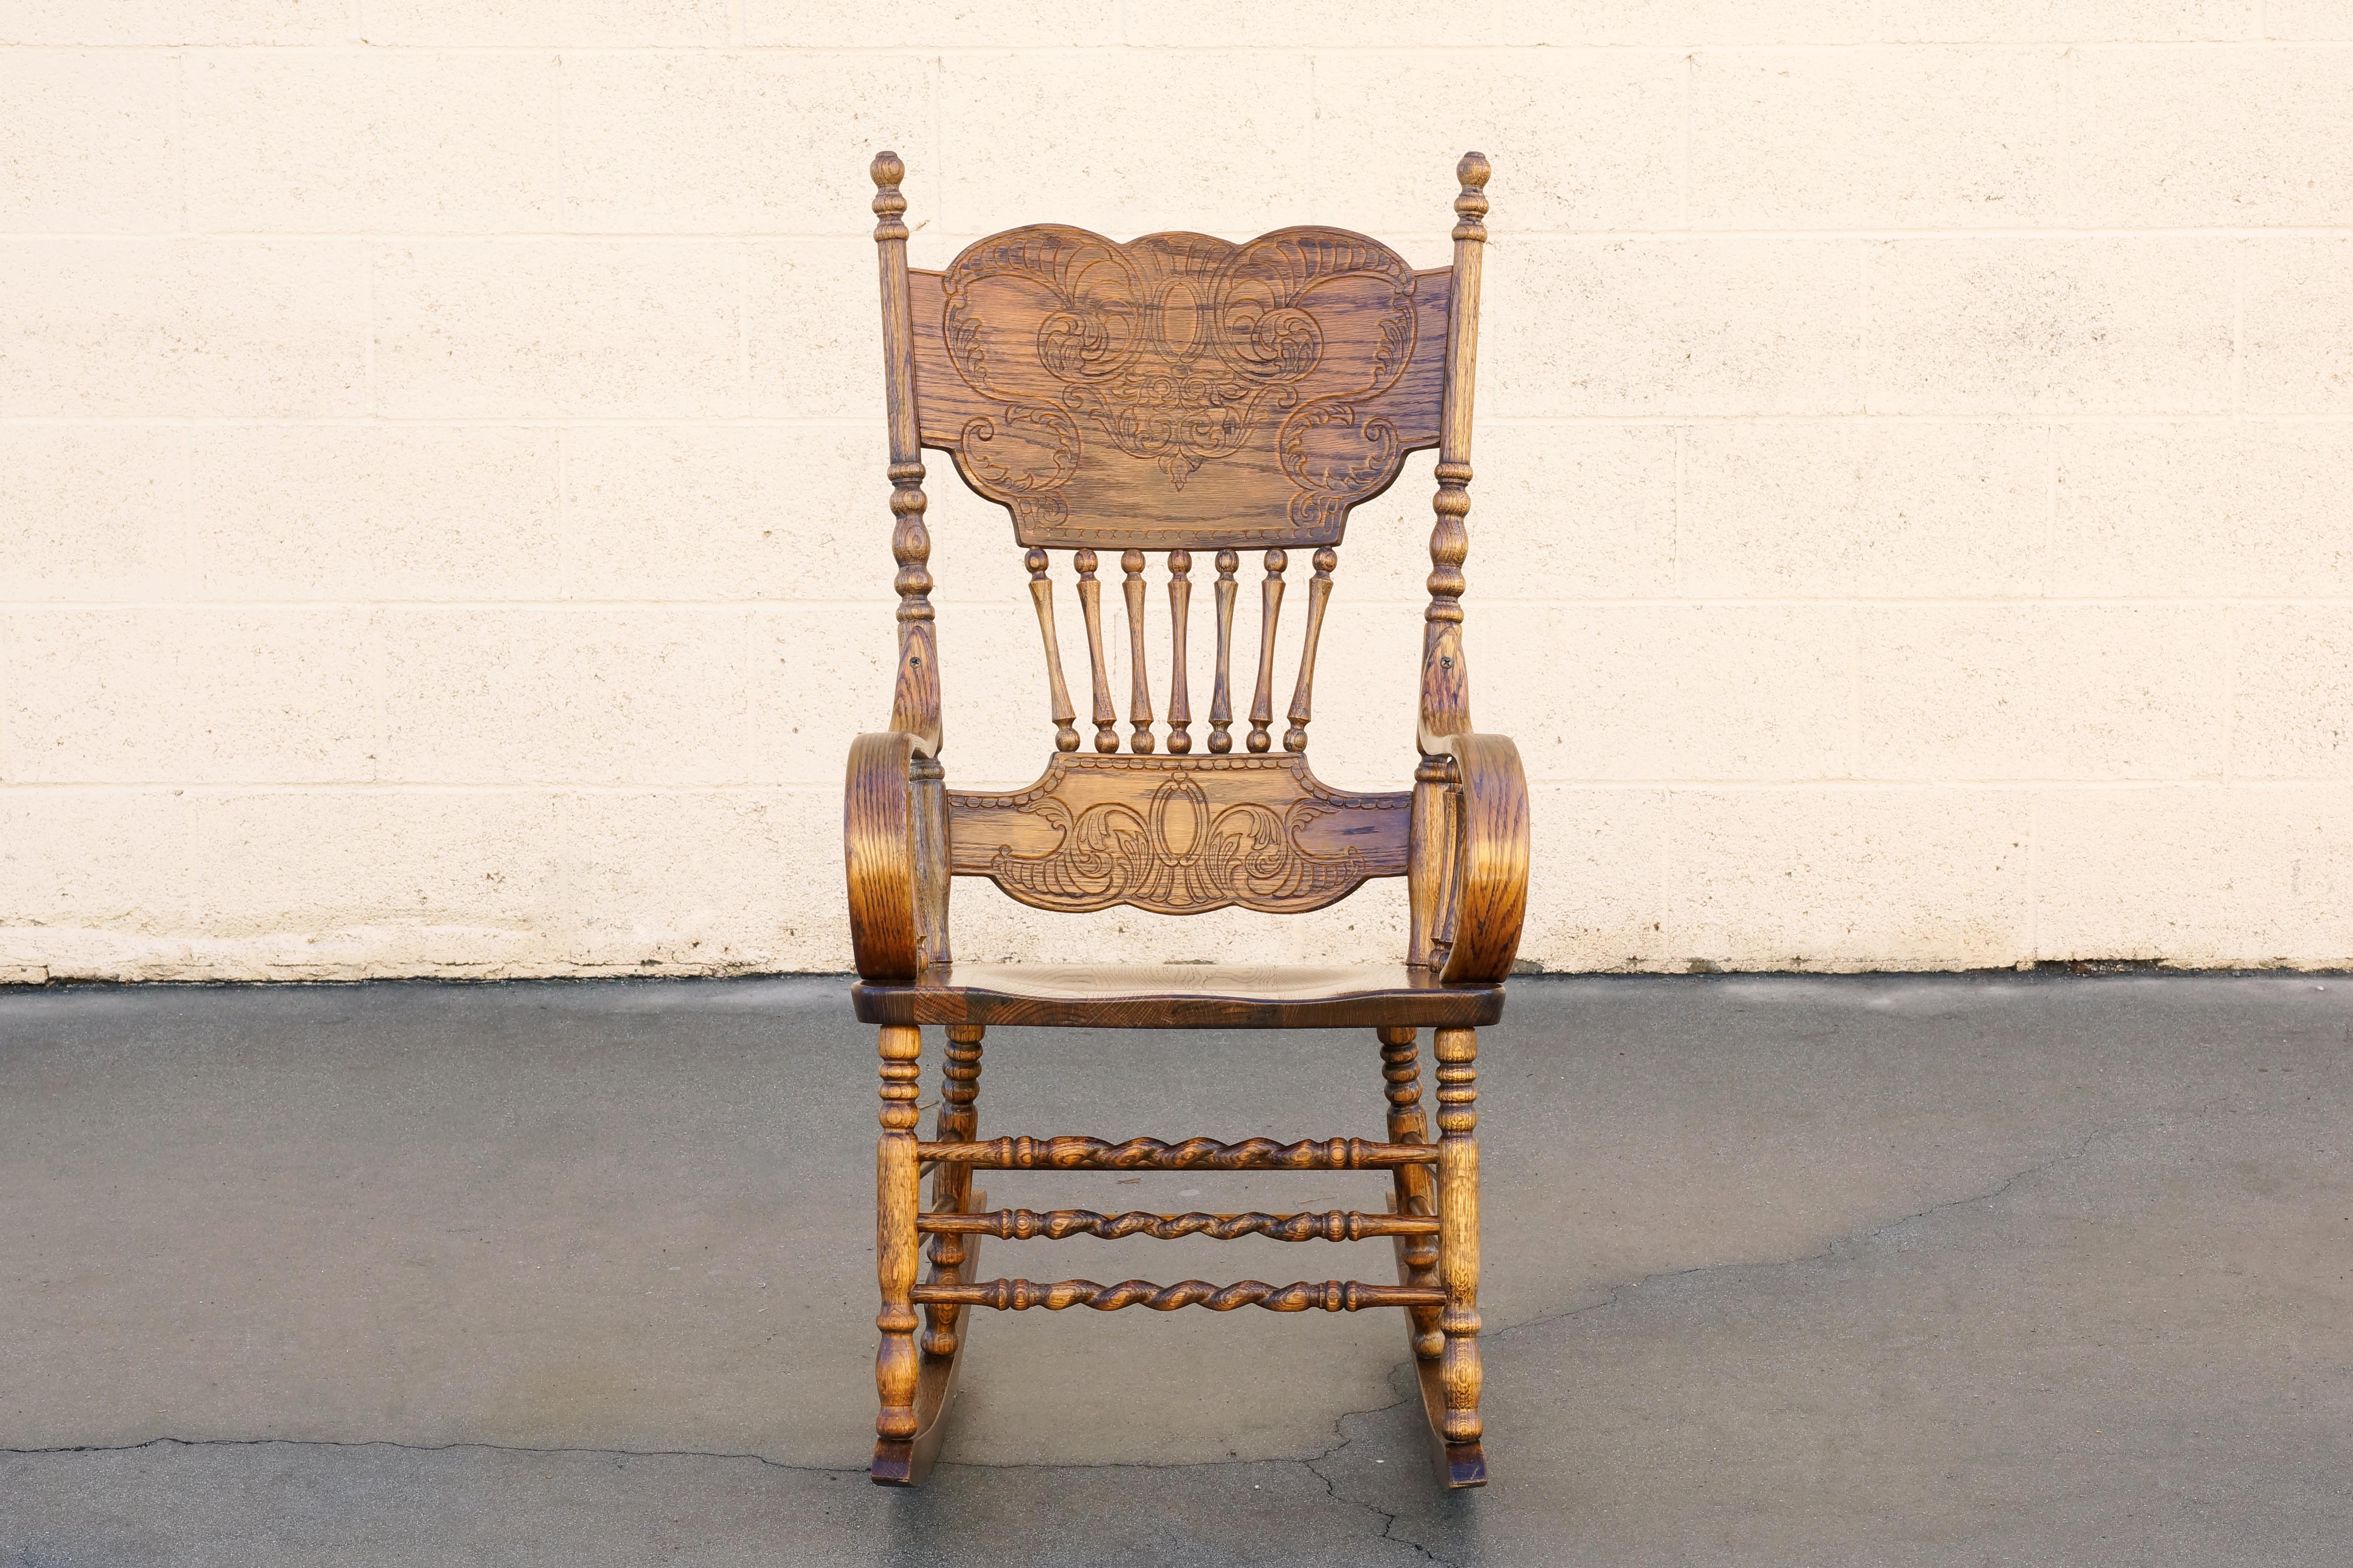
[1180, 394]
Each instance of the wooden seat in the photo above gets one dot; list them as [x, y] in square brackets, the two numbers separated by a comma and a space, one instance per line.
[1184, 396]
[1180, 996]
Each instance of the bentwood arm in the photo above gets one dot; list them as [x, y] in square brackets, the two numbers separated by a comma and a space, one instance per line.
[1470, 870]
[894, 839]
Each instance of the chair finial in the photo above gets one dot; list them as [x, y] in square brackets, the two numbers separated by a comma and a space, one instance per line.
[1471, 207]
[888, 171]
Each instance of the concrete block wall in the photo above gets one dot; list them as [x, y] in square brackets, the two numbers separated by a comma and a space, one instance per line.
[443, 523]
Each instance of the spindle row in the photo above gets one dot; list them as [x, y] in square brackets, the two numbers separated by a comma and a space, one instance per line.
[1141, 739]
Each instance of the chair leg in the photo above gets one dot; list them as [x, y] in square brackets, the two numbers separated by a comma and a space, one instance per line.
[951, 1183]
[1458, 1208]
[1417, 1255]
[897, 1198]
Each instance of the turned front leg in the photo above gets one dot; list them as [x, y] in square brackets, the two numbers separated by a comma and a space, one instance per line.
[1457, 1239]
[896, 1199]
[1414, 1189]
[952, 1182]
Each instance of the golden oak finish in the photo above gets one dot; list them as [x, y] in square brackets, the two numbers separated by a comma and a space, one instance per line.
[1457, 1236]
[1071, 1152]
[1416, 1194]
[1139, 708]
[1179, 836]
[915, 702]
[880, 843]
[896, 1200]
[1041, 595]
[1221, 703]
[1174, 996]
[1319, 593]
[1332, 1295]
[1054, 1224]
[1166, 395]
[951, 1183]
[1180, 608]
[1270, 612]
[1180, 391]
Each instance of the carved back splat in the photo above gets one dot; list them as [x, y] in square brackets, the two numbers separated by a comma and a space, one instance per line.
[1179, 392]
[1171, 394]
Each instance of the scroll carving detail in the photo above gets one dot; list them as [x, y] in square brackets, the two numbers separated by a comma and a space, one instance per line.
[1179, 836]
[1182, 351]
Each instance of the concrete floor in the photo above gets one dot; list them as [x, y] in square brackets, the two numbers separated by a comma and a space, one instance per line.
[1871, 1270]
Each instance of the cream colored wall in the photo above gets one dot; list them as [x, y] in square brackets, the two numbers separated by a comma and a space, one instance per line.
[443, 530]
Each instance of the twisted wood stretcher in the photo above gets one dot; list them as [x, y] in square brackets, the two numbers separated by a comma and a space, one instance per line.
[1180, 393]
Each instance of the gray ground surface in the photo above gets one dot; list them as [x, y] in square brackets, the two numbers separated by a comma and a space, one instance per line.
[1868, 1270]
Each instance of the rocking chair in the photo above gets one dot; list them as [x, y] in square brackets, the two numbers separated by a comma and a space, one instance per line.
[1180, 393]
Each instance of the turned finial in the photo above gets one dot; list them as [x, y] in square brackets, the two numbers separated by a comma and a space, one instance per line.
[888, 203]
[1471, 207]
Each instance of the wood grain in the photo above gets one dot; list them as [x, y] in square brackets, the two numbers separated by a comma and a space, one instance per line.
[1042, 598]
[1056, 1224]
[956, 1122]
[1180, 391]
[1270, 610]
[895, 1241]
[1415, 1193]
[1457, 1239]
[915, 699]
[1445, 679]
[1221, 699]
[1303, 694]
[1106, 716]
[878, 849]
[1490, 864]
[1139, 701]
[1073, 1153]
[1331, 1296]
[1180, 610]
[1179, 836]
[1169, 996]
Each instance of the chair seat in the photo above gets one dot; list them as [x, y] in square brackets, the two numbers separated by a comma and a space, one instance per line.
[1181, 996]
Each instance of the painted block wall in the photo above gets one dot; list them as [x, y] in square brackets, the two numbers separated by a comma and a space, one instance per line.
[443, 525]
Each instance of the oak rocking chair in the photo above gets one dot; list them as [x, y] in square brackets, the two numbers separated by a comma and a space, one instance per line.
[1177, 394]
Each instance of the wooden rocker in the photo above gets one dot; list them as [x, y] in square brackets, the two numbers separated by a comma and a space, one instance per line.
[1178, 393]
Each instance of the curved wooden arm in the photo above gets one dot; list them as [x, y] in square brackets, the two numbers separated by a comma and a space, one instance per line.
[1472, 875]
[894, 841]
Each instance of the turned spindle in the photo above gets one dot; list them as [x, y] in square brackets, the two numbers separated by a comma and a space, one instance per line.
[915, 697]
[1106, 716]
[1445, 683]
[956, 1122]
[1270, 611]
[1458, 1242]
[1041, 595]
[1139, 690]
[1415, 1193]
[1319, 593]
[896, 1243]
[1180, 603]
[1221, 695]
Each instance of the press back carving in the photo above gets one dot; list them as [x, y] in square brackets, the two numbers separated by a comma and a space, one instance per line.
[1180, 391]
[1179, 838]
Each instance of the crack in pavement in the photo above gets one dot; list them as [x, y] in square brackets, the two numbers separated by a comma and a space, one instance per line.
[1616, 1292]
[426, 1449]
[1310, 1462]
